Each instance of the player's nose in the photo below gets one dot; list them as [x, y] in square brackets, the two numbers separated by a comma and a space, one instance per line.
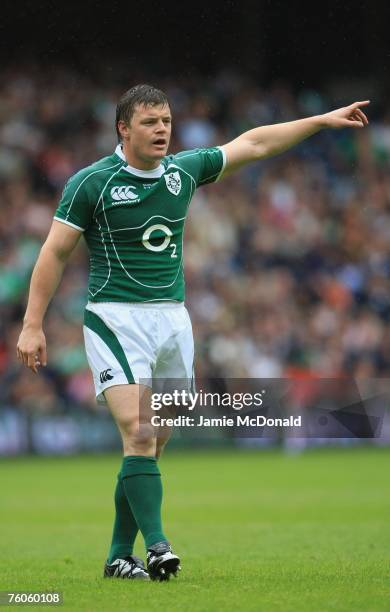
[161, 126]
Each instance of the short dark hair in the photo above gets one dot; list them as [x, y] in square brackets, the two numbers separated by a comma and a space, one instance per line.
[143, 95]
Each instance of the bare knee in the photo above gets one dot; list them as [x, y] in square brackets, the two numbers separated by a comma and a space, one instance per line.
[125, 402]
[138, 438]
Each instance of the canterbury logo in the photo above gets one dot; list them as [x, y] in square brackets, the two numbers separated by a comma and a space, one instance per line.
[105, 376]
[123, 193]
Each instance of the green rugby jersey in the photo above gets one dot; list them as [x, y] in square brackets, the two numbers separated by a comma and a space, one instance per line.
[133, 222]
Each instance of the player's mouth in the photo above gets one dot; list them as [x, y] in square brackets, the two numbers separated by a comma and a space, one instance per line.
[160, 142]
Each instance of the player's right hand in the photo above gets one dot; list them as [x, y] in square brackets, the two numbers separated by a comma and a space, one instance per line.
[31, 348]
[348, 116]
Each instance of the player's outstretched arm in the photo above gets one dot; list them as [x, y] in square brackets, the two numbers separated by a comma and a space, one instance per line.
[47, 273]
[269, 140]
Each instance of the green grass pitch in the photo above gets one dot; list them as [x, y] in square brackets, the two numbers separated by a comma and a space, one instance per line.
[255, 530]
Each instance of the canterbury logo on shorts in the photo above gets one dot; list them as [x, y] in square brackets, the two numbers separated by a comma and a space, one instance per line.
[105, 376]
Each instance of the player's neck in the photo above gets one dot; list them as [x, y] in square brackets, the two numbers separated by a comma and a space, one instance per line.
[140, 164]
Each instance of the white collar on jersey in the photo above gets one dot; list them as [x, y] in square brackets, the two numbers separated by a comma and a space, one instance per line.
[155, 173]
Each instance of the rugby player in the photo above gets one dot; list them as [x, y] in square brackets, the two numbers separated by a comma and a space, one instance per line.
[131, 207]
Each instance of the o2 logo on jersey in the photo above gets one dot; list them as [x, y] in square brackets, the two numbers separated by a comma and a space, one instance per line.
[173, 182]
[165, 243]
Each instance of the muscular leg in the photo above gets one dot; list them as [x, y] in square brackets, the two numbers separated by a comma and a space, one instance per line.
[124, 402]
[139, 474]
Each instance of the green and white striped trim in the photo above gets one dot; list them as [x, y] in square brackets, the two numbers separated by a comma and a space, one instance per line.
[97, 325]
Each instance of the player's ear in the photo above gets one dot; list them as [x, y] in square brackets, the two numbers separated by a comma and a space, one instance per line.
[124, 130]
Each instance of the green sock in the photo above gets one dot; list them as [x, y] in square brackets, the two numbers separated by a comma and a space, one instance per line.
[142, 484]
[125, 526]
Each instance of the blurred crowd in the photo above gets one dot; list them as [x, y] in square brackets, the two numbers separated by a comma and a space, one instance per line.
[287, 262]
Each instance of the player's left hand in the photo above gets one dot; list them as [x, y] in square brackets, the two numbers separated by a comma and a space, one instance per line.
[348, 116]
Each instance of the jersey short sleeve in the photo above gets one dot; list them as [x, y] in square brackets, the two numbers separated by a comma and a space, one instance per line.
[75, 207]
[204, 165]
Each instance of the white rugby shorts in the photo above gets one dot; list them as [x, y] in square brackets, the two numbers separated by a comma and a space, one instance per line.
[128, 343]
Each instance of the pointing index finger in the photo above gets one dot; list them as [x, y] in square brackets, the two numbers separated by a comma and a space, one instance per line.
[363, 103]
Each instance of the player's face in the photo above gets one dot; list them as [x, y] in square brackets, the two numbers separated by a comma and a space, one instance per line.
[148, 135]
